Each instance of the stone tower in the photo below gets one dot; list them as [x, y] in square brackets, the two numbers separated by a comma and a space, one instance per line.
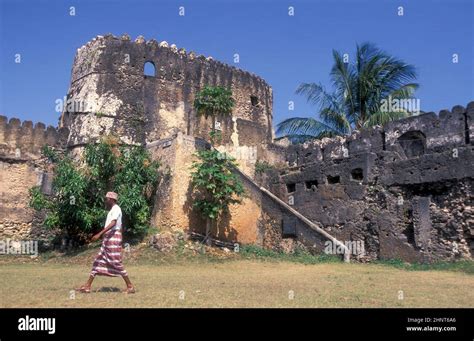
[109, 93]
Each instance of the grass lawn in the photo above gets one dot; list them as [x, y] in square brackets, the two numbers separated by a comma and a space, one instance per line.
[178, 281]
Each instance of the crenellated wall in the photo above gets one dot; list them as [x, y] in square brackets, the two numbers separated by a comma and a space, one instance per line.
[22, 167]
[24, 140]
[405, 189]
[115, 96]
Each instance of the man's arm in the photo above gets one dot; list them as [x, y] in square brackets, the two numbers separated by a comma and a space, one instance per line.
[104, 230]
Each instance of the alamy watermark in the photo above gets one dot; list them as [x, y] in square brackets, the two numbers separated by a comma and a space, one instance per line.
[411, 105]
[355, 247]
[19, 247]
[72, 105]
[28, 323]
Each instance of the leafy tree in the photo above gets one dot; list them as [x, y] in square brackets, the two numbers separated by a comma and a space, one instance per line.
[214, 102]
[356, 102]
[215, 185]
[77, 203]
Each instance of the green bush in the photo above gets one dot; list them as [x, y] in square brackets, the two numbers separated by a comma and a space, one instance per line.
[214, 102]
[262, 166]
[79, 186]
[214, 183]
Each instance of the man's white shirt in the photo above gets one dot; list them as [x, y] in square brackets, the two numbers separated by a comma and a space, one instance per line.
[115, 213]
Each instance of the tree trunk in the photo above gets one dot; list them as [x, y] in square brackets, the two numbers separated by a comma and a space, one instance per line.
[208, 231]
[213, 128]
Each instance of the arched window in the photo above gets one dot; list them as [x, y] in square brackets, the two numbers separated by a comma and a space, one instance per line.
[149, 69]
[413, 143]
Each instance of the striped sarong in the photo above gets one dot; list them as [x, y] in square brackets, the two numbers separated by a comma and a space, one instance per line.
[109, 260]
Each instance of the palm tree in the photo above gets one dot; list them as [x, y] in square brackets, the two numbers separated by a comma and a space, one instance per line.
[214, 101]
[360, 88]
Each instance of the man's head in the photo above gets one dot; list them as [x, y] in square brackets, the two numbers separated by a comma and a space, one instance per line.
[111, 199]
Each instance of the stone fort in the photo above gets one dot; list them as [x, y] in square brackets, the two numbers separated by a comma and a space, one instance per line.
[403, 190]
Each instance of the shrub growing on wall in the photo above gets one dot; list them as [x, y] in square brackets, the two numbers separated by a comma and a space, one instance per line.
[215, 185]
[214, 102]
[76, 205]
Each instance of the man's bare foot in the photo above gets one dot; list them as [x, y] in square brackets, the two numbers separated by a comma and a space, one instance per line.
[129, 290]
[84, 289]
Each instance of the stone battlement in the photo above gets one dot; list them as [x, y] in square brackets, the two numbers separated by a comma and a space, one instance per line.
[404, 189]
[153, 46]
[24, 140]
[413, 136]
[109, 81]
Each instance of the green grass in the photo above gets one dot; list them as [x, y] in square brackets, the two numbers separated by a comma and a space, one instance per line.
[465, 266]
[237, 283]
[299, 256]
[254, 277]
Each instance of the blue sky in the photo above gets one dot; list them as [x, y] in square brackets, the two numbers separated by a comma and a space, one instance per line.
[284, 50]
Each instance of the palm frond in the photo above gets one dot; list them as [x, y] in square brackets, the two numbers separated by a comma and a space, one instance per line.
[303, 126]
[297, 138]
[359, 89]
[337, 120]
[383, 117]
[315, 94]
[343, 77]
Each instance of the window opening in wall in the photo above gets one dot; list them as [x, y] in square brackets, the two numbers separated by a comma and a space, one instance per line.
[466, 129]
[357, 174]
[254, 100]
[290, 188]
[311, 183]
[409, 230]
[289, 227]
[413, 143]
[334, 179]
[149, 69]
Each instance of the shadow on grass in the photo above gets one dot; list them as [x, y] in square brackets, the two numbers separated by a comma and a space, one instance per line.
[108, 289]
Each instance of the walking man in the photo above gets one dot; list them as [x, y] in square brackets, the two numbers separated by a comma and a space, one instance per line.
[109, 260]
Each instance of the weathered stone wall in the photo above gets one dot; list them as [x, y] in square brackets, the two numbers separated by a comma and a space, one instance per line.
[404, 189]
[116, 97]
[257, 220]
[173, 202]
[22, 167]
[109, 93]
